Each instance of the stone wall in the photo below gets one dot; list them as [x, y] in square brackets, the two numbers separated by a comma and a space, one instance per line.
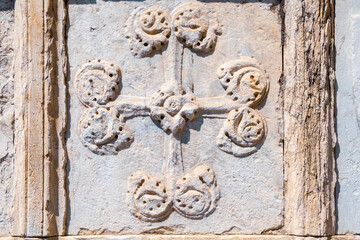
[168, 119]
[6, 112]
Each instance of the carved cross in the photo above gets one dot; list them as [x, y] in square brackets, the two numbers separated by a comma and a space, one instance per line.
[103, 128]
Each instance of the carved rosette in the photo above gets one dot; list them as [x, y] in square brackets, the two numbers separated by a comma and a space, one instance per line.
[195, 197]
[101, 129]
[148, 30]
[196, 27]
[245, 82]
[173, 109]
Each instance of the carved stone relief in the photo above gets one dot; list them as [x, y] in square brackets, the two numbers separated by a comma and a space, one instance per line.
[148, 96]
[103, 128]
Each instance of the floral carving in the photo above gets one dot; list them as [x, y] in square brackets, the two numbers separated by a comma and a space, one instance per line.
[241, 132]
[172, 109]
[244, 80]
[148, 30]
[103, 132]
[196, 27]
[195, 197]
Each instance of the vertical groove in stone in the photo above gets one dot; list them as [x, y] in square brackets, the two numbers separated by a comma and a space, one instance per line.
[55, 118]
[40, 119]
[309, 134]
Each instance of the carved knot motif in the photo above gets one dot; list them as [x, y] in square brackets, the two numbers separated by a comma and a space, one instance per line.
[103, 129]
[172, 108]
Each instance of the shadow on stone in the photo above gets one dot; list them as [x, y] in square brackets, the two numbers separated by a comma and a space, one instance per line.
[7, 5]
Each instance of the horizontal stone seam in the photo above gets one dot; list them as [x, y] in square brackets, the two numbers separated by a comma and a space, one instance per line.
[342, 236]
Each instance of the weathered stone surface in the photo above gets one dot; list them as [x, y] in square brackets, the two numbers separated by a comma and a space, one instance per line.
[348, 110]
[6, 112]
[173, 122]
[196, 237]
[308, 117]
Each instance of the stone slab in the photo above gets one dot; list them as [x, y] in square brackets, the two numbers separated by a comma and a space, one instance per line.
[348, 110]
[248, 195]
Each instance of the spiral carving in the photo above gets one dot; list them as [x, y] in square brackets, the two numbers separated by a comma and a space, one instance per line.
[102, 131]
[196, 27]
[97, 82]
[196, 194]
[241, 132]
[147, 197]
[244, 80]
[148, 30]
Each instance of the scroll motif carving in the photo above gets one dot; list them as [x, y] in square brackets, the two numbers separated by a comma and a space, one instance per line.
[103, 128]
[244, 80]
[195, 26]
[103, 132]
[147, 197]
[197, 193]
[195, 197]
[241, 132]
[97, 82]
[148, 30]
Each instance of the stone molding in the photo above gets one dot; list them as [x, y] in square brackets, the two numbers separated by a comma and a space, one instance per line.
[40, 118]
[307, 97]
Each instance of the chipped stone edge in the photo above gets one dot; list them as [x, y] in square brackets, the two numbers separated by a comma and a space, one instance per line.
[308, 117]
[192, 237]
[182, 237]
[39, 205]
